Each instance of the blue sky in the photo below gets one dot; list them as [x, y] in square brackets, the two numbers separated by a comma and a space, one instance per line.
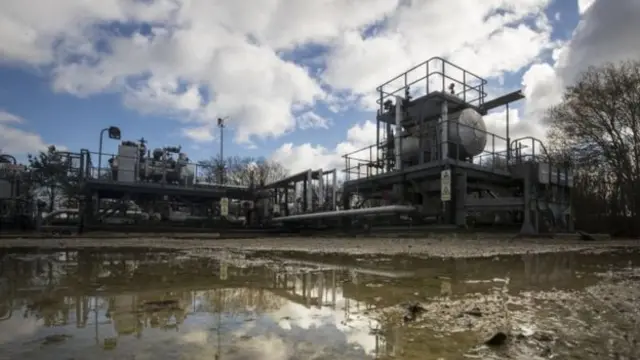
[30, 89]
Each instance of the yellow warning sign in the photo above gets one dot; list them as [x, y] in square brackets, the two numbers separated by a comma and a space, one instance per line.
[445, 185]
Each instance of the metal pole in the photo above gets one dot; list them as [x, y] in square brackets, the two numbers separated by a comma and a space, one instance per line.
[398, 134]
[508, 140]
[221, 166]
[100, 151]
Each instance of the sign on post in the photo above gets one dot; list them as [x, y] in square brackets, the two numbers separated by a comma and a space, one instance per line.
[445, 185]
[224, 207]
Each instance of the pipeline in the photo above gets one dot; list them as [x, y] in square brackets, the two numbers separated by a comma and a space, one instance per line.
[391, 209]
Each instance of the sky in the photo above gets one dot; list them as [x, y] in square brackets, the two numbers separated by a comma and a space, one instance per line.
[295, 80]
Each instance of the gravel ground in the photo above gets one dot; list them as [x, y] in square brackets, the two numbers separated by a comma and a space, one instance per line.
[441, 246]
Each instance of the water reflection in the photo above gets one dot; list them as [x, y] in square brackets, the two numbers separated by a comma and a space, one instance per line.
[218, 306]
[241, 306]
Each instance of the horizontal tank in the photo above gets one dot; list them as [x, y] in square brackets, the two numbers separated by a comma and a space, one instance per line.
[466, 128]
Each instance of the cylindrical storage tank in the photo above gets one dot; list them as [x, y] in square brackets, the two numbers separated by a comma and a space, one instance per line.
[467, 136]
[467, 130]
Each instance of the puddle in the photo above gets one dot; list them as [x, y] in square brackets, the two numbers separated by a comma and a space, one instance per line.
[205, 304]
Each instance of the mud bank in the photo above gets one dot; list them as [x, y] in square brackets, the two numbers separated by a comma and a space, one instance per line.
[439, 247]
[597, 322]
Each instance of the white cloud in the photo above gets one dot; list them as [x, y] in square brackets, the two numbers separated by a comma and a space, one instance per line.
[584, 5]
[199, 134]
[7, 118]
[16, 141]
[311, 120]
[197, 60]
[305, 156]
[607, 32]
[417, 31]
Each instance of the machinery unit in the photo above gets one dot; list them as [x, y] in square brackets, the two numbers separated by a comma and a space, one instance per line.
[154, 190]
[162, 165]
[16, 203]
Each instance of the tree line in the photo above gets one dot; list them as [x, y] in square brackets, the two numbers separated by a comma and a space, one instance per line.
[596, 131]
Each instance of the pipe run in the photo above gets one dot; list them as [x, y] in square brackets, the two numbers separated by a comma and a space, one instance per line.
[380, 210]
[397, 135]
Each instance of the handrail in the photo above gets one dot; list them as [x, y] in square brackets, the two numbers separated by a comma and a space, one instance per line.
[376, 158]
[534, 140]
[435, 58]
[439, 70]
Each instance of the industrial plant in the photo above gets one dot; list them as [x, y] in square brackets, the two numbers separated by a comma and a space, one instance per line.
[433, 165]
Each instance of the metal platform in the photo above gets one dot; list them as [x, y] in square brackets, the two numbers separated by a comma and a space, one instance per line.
[114, 189]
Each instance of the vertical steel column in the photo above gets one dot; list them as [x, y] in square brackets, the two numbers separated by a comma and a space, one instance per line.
[309, 190]
[320, 188]
[334, 190]
[398, 130]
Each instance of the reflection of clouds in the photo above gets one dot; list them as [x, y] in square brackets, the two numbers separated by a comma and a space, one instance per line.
[17, 327]
[267, 347]
[196, 337]
[345, 318]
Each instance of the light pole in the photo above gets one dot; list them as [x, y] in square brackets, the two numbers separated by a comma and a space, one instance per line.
[114, 133]
[221, 165]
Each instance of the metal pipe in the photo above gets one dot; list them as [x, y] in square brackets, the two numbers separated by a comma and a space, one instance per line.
[444, 127]
[352, 212]
[320, 188]
[327, 266]
[508, 144]
[398, 130]
[100, 151]
[11, 157]
[334, 190]
[309, 191]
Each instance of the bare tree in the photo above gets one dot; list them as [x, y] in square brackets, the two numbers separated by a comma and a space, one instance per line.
[245, 171]
[596, 130]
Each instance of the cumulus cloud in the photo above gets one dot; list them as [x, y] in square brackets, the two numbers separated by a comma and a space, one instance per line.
[195, 60]
[303, 156]
[14, 140]
[606, 33]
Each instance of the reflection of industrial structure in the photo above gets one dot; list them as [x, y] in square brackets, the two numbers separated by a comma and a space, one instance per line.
[126, 294]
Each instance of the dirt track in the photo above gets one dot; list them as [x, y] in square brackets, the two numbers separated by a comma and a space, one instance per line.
[448, 247]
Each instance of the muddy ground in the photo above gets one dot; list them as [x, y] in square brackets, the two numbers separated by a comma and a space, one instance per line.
[440, 246]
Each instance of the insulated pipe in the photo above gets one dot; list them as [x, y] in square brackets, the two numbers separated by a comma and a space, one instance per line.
[391, 209]
[444, 128]
[398, 130]
[309, 193]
